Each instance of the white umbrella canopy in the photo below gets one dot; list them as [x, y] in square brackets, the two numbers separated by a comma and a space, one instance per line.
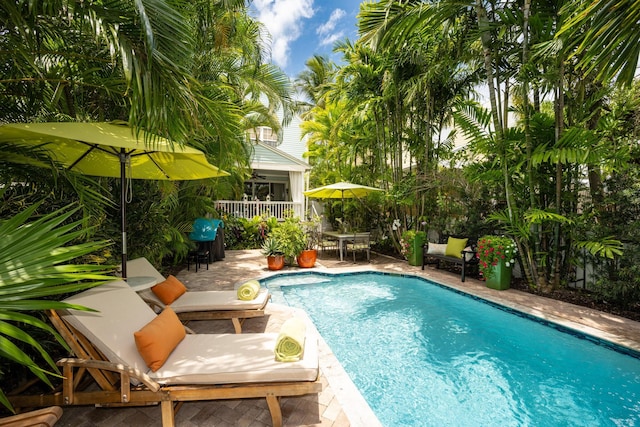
[113, 150]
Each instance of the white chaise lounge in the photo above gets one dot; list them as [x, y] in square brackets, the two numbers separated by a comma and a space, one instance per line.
[202, 305]
[201, 367]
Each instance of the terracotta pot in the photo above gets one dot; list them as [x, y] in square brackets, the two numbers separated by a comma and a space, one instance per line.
[307, 258]
[275, 262]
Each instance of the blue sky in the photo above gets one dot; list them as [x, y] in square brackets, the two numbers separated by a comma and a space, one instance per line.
[301, 28]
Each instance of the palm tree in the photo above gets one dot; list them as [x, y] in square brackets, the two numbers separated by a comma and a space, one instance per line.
[604, 36]
[70, 58]
[315, 82]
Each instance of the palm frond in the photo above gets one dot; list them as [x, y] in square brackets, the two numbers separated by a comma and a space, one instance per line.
[607, 247]
[36, 263]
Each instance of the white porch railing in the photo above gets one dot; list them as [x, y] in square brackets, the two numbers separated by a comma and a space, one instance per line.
[249, 209]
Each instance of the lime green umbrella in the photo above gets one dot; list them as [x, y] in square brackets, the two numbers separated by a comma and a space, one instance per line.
[113, 150]
[341, 190]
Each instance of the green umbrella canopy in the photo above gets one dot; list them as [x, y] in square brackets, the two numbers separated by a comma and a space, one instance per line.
[341, 190]
[113, 150]
[95, 149]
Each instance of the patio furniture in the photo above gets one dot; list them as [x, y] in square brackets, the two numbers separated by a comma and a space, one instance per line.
[202, 305]
[434, 253]
[194, 367]
[45, 417]
[328, 242]
[343, 239]
[360, 242]
[198, 257]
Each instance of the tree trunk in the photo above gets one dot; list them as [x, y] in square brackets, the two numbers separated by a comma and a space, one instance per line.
[555, 280]
[485, 36]
[535, 237]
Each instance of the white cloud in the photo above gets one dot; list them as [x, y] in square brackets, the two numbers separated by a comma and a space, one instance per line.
[330, 25]
[330, 39]
[326, 30]
[283, 20]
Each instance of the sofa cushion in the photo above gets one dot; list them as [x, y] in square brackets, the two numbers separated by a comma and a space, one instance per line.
[469, 254]
[436, 248]
[455, 247]
[232, 358]
[119, 313]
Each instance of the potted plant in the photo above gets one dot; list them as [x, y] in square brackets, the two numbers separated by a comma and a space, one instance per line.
[272, 250]
[496, 256]
[411, 244]
[291, 237]
[308, 256]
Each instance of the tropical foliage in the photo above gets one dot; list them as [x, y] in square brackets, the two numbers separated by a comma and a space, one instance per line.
[38, 261]
[536, 156]
[190, 71]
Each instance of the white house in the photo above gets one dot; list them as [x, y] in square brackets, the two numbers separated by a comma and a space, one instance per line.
[278, 175]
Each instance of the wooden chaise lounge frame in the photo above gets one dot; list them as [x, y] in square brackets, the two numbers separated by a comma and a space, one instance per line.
[116, 389]
[141, 266]
[237, 317]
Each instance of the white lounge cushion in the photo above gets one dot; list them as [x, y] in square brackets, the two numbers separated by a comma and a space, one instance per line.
[198, 359]
[142, 267]
[195, 300]
[210, 300]
[232, 358]
[121, 312]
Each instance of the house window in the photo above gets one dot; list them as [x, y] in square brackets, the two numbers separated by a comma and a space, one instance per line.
[266, 135]
[276, 190]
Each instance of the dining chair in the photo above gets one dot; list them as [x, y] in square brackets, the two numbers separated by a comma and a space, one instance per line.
[360, 242]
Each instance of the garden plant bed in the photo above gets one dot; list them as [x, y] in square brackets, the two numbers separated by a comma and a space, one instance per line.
[581, 297]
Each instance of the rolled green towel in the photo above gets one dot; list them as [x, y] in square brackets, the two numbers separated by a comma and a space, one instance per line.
[249, 290]
[290, 342]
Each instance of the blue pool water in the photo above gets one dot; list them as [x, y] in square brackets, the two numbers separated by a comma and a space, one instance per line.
[423, 355]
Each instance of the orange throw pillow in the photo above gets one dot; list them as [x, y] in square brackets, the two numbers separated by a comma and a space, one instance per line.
[157, 339]
[169, 290]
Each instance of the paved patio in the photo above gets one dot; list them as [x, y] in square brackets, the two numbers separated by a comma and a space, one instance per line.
[339, 404]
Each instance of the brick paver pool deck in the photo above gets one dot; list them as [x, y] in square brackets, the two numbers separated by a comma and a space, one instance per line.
[339, 404]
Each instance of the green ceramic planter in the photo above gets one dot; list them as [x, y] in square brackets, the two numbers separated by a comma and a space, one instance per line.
[415, 257]
[500, 277]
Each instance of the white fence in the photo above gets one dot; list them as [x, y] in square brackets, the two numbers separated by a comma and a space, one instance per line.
[249, 209]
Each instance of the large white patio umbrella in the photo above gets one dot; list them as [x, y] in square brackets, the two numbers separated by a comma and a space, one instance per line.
[113, 150]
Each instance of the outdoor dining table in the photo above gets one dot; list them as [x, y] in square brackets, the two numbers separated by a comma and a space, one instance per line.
[344, 238]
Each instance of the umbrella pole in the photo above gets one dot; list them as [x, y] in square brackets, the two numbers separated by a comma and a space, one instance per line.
[123, 209]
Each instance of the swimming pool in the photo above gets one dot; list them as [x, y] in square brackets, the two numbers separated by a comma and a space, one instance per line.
[423, 355]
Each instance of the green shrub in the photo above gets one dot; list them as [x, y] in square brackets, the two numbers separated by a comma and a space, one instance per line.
[291, 237]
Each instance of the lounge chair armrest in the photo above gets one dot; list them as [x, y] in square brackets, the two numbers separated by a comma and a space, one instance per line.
[112, 367]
